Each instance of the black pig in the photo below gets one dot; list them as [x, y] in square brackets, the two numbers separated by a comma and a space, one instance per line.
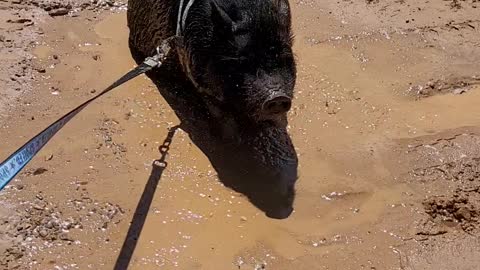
[237, 56]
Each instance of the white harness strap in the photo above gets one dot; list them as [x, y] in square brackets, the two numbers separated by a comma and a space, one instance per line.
[182, 54]
[182, 16]
[181, 20]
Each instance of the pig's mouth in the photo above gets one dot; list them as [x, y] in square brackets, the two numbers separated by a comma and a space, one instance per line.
[281, 206]
[273, 193]
[278, 201]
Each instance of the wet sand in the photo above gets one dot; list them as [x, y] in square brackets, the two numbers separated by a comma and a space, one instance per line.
[385, 123]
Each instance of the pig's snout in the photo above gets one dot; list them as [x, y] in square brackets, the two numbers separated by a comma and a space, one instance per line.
[283, 193]
[277, 104]
[282, 205]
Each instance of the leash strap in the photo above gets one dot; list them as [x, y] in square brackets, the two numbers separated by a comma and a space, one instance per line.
[20, 158]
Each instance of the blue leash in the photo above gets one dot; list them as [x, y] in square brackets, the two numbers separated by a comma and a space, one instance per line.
[20, 158]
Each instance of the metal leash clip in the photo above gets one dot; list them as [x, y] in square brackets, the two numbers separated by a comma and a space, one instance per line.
[162, 51]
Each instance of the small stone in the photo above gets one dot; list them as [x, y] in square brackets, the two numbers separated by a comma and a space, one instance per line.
[40, 171]
[64, 237]
[19, 21]
[43, 233]
[260, 266]
[41, 70]
[38, 207]
[460, 91]
[59, 12]
[242, 218]
[463, 213]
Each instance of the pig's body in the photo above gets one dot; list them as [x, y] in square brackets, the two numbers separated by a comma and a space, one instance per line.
[237, 55]
[150, 22]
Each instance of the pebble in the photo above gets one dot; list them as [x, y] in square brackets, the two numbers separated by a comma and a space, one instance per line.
[41, 70]
[59, 12]
[43, 232]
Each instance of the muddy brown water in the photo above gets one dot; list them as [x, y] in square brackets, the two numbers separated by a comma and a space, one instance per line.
[352, 114]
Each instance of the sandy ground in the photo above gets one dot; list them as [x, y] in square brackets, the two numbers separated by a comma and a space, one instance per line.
[385, 122]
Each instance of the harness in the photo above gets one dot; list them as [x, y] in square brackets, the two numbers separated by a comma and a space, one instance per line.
[182, 16]
[184, 57]
[183, 54]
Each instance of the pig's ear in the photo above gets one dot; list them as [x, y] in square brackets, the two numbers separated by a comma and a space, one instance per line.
[220, 18]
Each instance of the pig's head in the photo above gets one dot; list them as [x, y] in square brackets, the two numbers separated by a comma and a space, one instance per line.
[240, 53]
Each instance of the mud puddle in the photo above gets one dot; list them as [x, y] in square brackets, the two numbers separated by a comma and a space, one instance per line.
[354, 114]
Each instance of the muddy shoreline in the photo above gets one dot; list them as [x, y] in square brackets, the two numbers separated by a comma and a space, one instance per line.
[384, 121]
